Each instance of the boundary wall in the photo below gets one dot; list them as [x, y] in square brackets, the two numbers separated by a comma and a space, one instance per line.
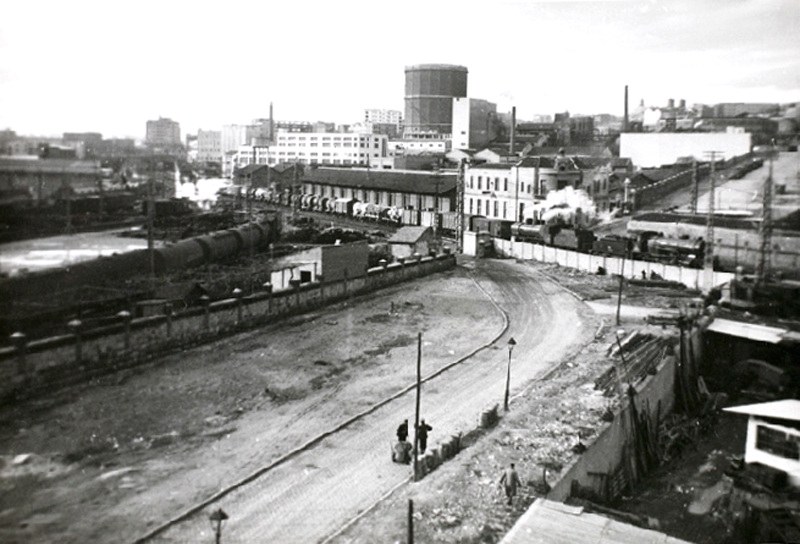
[608, 456]
[692, 278]
[46, 363]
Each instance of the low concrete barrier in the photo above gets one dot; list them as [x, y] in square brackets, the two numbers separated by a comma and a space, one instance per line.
[28, 367]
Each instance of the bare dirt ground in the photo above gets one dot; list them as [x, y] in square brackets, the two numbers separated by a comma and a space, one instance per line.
[109, 461]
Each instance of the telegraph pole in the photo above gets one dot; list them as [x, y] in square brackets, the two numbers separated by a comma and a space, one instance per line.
[416, 415]
[765, 230]
[460, 207]
[694, 186]
[708, 264]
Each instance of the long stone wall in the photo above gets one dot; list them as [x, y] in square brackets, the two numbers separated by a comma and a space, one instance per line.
[690, 277]
[42, 364]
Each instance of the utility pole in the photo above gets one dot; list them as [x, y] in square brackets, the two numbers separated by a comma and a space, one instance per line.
[416, 415]
[460, 207]
[695, 188]
[709, 252]
[151, 212]
[765, 230]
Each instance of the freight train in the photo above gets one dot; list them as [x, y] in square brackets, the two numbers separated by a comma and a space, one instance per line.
[647, 246]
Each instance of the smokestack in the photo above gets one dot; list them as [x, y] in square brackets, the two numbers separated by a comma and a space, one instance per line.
[625, 119]
[271, 125]
[671, 103]
[513, 128]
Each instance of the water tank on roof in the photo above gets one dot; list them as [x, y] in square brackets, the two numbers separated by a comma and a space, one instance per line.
[430, 89]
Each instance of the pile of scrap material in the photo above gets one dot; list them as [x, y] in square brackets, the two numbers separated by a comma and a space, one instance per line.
[636, 356]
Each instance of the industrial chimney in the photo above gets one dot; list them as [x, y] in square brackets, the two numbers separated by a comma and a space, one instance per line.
[513, 129]
[625, 119]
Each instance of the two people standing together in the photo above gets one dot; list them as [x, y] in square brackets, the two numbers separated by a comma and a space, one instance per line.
[401, 450]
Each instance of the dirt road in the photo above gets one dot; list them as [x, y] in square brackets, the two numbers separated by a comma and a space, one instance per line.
[314, 493]
[113, 460]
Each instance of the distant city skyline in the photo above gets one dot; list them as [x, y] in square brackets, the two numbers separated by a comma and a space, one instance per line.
[107, 67]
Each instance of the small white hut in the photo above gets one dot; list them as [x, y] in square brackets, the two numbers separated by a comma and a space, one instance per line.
[773, 436]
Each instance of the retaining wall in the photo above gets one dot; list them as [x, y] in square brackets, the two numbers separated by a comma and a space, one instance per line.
[608, 452]
[67, 359]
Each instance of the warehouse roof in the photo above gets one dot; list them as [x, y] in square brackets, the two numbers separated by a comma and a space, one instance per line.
[49, 166]
[384, 180]
[548, 522]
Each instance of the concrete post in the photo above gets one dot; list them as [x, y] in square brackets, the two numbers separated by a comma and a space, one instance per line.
[168, 313]
[75, 327]
[126, 321]
[268, 289]
[237, 293]
[20, 341]
[206, 301]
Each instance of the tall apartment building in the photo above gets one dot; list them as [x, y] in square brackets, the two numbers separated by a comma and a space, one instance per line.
[209, 145]
[163, 132]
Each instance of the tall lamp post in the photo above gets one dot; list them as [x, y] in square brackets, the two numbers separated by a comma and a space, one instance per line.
[511, 344]
[217, 519]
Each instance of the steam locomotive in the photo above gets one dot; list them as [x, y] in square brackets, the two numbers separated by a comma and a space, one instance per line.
[647, 246]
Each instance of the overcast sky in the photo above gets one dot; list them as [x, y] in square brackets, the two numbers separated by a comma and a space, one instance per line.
[105, 66]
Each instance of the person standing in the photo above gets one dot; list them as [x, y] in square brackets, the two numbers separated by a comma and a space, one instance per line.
[510, 482]
[402, 431]
[422, 435]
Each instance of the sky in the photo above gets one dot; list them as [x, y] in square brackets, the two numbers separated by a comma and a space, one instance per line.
[109, 66]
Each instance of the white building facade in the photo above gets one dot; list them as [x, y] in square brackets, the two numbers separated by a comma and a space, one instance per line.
[209, 145]
[474, 123]
[315, 148]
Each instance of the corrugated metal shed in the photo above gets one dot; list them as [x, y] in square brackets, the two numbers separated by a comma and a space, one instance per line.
[548, 522]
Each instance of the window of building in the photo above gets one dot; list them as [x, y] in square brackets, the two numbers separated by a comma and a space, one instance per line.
[480, 182]
[479, 207]
[471, 185]
[496, 184]
[505, 187]
[495, 208]
[505, 210]
[777, 442]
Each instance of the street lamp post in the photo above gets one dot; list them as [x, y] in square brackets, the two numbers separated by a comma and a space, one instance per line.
[511, 344]
[217, 519]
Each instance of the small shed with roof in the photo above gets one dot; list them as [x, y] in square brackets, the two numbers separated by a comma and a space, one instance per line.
[773, 436]
[410, 240]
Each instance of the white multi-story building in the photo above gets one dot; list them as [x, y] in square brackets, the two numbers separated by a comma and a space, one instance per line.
[164, 131]
[474, 123]
[209, 145]
[383, 117]
[496, 190]
[322, 148]
[235, 136]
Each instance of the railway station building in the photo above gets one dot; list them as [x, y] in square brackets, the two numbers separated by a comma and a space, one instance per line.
[410, 189]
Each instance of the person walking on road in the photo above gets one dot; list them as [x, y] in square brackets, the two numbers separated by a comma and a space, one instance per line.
[422, 435]
[510, 481]
[402, 431]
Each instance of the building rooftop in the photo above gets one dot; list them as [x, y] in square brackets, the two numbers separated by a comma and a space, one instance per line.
[408, 235]
[788, 409]
[428, 183]
[548, 522]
